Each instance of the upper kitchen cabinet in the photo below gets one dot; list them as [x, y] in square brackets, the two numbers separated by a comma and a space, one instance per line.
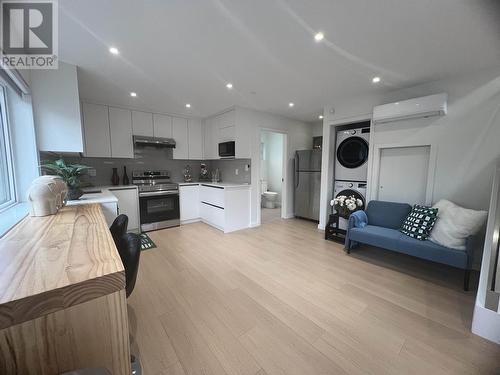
[142, 123]
[180, 135]
[120, 126]
[56, 109]
[162, 126]
[195, 139]
[97, 133]
[210, 145]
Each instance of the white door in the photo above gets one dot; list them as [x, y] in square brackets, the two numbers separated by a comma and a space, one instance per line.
[142, 123]
[180, 135]
[96, 129]
[162, 125]
[120, 126]
[195, 139]
[403, 174]
[128, 204]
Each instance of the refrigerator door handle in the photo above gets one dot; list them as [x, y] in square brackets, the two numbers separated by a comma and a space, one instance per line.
[296, 166]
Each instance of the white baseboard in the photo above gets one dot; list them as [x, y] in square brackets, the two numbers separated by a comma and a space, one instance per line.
[486, 323]
[321, 227]
[190, 221]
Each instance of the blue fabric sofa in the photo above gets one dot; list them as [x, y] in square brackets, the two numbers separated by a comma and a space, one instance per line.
[379, 226]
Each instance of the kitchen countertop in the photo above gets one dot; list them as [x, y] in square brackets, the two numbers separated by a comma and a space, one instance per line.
[224, 185]
[105, 196]
[53, 262]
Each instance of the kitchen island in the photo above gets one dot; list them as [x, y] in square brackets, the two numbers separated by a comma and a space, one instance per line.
[62, 295]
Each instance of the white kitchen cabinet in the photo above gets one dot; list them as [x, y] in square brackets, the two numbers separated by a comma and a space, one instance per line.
[96, 129]
[227, 134]
[180, 135]
[162, 126]
[120, 126]
[142, 123]
[128, 204]
[212, 195]
[226, 208]
[195, 139]
[56, 109]
[210, 139]
[226, 119]
[110, 212]
[189, 201]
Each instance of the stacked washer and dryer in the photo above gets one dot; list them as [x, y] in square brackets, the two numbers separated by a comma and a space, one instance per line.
[351, 164]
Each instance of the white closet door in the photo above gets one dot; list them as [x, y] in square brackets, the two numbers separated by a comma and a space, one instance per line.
[403, 174]
[120, 125]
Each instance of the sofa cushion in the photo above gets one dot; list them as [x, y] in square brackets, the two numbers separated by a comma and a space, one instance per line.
[394, 240]
[387, 214]
[419, 222]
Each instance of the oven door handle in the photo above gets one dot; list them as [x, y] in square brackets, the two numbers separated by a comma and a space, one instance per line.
[157, 193]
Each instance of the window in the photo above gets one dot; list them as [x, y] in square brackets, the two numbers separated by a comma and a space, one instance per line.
[7, 192]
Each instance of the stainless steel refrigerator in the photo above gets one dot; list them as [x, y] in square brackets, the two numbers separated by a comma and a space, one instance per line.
[307, 183]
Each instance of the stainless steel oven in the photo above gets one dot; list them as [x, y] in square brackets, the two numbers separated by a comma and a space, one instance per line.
[158, 200]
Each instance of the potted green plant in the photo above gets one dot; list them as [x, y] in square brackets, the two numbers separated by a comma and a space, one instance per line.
[70, 173]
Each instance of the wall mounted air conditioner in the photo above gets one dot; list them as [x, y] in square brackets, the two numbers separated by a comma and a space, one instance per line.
[426, 106]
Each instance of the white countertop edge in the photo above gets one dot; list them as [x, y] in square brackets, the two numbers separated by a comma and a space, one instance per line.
[224, 185]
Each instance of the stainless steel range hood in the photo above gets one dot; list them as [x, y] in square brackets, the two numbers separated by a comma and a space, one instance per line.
[140, 140]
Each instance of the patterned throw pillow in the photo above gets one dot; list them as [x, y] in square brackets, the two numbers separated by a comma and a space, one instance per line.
[419, 222]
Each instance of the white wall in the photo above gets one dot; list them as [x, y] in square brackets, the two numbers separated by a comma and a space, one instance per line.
[272, 166]
[298, 137]
[467, 139]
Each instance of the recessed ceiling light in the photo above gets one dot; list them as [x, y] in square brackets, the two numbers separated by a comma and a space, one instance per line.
[133, 94]
[376, 79]
[114, 50]
[319, 36]
[320, 117]
[291, 104]
[229, 85]
[188, 105]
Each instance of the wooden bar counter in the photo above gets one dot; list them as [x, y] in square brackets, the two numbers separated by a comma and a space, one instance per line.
[62, 295]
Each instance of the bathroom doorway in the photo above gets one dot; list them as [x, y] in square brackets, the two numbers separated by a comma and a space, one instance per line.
[272, 151]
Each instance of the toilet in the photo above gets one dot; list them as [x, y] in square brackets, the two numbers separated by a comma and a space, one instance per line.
[268, 198]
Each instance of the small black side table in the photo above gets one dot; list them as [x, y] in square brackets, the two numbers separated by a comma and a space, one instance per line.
[332, 230]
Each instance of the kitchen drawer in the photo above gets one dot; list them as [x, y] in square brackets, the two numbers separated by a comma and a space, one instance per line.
[212, 195]
[213, 215]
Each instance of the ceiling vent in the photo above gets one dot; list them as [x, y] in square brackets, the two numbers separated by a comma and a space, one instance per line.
[426, 106]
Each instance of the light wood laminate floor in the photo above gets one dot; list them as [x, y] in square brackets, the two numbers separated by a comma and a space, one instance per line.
[279, 299]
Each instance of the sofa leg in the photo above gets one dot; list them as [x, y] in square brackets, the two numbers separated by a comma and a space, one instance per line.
[466, 280]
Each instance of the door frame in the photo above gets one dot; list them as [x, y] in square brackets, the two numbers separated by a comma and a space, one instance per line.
[373, 182]
[284, 174]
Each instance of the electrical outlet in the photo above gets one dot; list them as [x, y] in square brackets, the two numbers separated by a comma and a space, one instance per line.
[236, 171]
[92, 172]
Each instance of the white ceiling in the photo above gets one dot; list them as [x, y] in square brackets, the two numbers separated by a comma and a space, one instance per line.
[174, 52]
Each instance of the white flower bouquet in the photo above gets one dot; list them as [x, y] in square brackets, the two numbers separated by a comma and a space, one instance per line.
[345, 205]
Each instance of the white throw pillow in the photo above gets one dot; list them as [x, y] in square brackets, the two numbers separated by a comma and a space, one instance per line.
[454, 224]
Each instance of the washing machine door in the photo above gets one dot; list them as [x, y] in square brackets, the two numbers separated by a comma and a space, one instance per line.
[351, 192]
[352, 152]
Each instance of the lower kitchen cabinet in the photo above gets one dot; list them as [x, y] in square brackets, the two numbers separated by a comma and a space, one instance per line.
[223, 206]
[189, 202]
[128, 204]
